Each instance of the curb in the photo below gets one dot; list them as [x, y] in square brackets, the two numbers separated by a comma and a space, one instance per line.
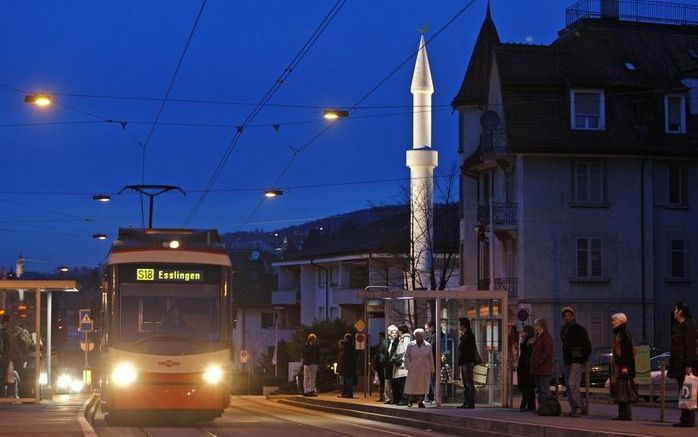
[477, 426]
[86, 415]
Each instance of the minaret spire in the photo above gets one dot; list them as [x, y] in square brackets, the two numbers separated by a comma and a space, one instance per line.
[421, 160]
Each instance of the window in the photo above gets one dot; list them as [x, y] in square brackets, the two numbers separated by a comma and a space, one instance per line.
[588, 183]
[334, 313]
[267, 320]
[678, 259]
[588, 110]
[334, 276]
[321, 274]
[589, 257]
[321, 313]
[675, 113]
[678, 185]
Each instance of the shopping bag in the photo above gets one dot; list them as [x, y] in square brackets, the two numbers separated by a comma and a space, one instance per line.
[11, 373]
[688, 398]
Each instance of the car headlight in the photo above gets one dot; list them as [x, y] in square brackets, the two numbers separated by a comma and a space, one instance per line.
[123, 374]
[213, 374]
[64, 381]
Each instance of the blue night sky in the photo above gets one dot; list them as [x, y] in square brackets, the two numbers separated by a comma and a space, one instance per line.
[131, 48]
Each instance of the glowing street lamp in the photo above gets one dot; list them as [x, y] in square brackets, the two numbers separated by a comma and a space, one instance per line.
[63, 269]
[41, 100]
[99, 236]
[273, 192]
[101, 197]
[334, 113]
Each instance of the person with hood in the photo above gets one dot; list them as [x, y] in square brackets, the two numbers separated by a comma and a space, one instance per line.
[311, 358]
[419, 362]
[346, 365]
[576, 349]
[623, 364]
[523, 371]
[542, 360]
[468, 358]
[683, 355]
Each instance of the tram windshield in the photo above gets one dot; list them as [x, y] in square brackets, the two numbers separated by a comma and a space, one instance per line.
[187, 311]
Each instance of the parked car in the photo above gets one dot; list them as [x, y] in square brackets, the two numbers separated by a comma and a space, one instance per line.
[599, 362]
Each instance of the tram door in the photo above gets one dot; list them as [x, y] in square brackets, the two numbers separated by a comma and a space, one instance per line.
[485, 317]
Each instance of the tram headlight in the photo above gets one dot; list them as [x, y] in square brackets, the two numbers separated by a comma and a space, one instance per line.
[213, 374]
[64, 381]
[124, 374]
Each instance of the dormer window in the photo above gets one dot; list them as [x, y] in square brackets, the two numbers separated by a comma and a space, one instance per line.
[675, 113]
[587, 108]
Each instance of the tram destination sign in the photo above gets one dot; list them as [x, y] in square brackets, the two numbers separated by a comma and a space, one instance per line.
[154, 274]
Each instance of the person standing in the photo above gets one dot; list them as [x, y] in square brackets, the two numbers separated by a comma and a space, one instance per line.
[4, 352]
[399, 368]
[523, 371]
[542, 360]
[346, 361]
[419, 362]
[430, 337]
[576, 349]
[467, 360]
[391, 346]
[683, 354]
[311, 358]
[623, 363]
[379, 360]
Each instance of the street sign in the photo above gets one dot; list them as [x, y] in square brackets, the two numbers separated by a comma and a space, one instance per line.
[643, 372]
[360, 326]
[243, 356]
[85, 323]
[522, 315]
[87, 346]
[360, 342]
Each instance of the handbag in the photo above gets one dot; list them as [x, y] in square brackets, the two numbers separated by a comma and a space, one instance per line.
[396, 360]
[478, 359]
[625, 391]
[688, 398]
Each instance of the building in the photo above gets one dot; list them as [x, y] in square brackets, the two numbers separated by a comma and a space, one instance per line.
[325, 281]
[579, 166]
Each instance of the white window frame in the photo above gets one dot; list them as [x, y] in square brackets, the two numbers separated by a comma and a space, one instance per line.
[575, 184]
[589, 257]
[682, 127]
[602, 109]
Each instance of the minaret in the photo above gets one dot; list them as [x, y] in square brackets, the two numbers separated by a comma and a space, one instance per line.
[19, 266]
[421, 160]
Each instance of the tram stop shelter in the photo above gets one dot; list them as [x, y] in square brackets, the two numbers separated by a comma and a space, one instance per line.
[488, 312]
[29, 303]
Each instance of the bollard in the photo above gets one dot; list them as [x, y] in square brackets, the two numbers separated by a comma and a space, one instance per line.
[557, 379]
[651, 390]
[511, 383]
[663, 401]
[587, 376]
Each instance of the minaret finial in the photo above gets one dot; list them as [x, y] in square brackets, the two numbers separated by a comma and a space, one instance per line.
[488, 15]
[424, 29]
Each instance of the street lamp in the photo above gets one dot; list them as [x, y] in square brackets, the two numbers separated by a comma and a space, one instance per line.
[99, 236]
[273, 192]
[334, 113]
[41, 100]
[63, 269]
[101, 197]
[152, 191]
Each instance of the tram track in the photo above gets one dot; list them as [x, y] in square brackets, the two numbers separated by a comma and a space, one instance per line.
[173, 432]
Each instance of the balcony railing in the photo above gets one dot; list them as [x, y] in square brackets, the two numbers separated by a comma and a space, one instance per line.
[494, 141]
[503, 213]
[508, 284]
[643, 11]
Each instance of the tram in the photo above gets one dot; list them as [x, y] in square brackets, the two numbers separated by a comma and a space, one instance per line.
[166, 314]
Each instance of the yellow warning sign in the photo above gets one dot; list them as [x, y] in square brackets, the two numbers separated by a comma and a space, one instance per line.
[360, 325]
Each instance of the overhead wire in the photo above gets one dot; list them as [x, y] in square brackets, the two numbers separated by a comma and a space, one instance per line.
[309, 43]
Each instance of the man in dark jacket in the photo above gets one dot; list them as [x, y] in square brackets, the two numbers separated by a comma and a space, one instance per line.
[467, 360]
[346, 360]
[683, 355]
[542, 360]
[379, 360]
[576, 349]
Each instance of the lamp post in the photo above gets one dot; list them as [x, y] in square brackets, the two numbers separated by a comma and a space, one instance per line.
[152, 191]
[276, 342]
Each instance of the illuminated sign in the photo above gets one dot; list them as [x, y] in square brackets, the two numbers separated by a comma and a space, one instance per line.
[169, 275]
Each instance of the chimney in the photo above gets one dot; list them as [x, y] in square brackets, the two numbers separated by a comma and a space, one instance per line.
[610, 9]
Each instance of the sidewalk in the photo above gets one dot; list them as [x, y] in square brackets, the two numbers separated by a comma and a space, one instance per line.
[493, 421]
[61, 417]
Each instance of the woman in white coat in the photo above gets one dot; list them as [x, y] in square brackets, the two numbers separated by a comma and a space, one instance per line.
[420, 365]
[400, 339]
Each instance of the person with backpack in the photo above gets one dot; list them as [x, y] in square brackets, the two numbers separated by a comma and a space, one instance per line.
[576, 349]
[623, 376]
[683, 354]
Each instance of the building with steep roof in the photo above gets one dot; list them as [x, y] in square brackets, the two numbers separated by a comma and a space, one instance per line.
[582, 156]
